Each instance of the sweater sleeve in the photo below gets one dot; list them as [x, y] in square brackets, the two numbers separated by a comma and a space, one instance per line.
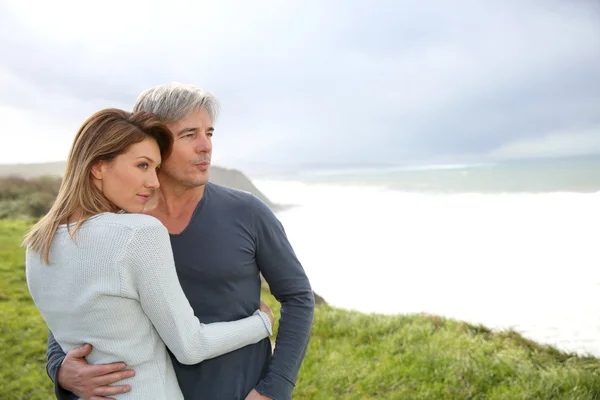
[149, 265]
[290, 286]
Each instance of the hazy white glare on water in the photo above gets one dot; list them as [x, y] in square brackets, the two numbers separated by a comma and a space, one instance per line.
[521, 260]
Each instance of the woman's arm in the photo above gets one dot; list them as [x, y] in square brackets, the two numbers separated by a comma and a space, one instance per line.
[149, 264]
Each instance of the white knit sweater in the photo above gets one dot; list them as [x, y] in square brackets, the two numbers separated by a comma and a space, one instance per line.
[114, 285]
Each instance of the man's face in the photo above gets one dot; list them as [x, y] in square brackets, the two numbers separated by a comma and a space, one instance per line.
[189, 161]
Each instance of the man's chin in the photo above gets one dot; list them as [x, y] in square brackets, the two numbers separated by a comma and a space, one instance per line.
[200, 180]
[194, 179]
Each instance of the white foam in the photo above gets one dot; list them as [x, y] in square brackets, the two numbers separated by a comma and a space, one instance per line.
[528, 261]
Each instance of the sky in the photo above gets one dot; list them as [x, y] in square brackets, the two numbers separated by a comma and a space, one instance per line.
[314, 83]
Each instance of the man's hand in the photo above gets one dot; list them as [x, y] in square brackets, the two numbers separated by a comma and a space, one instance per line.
[254, 395]
[91, 381]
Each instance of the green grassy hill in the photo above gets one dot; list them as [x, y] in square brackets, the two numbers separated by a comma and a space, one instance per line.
[351, 355]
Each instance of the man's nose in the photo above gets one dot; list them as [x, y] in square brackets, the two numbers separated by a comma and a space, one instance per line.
[203, 144]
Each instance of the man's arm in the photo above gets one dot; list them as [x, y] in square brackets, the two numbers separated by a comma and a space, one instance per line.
[73, 377]
[290, 286]
[56, 355]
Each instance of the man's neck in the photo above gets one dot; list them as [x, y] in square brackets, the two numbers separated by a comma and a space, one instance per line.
[175, 201]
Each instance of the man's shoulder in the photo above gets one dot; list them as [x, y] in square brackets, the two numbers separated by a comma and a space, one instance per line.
[238, 203]
[233, 195]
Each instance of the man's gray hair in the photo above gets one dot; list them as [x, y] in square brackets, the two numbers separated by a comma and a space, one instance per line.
[173, 102]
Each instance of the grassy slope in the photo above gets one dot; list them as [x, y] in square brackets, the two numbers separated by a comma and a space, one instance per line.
[22, 330]
[351, 355]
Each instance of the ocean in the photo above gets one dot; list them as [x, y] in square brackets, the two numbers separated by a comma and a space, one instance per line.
[508, 245]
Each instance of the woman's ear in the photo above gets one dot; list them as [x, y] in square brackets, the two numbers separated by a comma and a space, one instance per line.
[97, 170]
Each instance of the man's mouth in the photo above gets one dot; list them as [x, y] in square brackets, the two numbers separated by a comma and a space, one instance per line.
[203, 165]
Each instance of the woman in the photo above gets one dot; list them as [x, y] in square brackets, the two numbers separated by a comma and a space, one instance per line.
[108, 278]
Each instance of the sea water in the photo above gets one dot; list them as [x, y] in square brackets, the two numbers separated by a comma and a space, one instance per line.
[508, 246]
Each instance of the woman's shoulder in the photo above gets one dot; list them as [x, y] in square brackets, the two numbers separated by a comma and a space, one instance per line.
[133, 222]
[141, 232]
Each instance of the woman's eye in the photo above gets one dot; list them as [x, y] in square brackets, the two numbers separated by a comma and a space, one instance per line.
[143, 165]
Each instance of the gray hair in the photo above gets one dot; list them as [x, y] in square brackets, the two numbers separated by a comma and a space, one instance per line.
[175, 101]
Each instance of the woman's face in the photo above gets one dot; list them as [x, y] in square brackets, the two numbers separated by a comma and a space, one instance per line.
[130, 179]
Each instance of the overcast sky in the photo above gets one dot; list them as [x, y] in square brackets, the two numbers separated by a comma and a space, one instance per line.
[314, 82]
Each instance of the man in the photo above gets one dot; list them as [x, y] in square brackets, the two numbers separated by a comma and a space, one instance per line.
[222, 239]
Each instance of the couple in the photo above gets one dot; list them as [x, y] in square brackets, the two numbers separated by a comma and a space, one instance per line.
[155, 294]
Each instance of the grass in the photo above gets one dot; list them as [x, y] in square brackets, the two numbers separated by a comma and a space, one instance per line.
[23, 333]
[351, 355]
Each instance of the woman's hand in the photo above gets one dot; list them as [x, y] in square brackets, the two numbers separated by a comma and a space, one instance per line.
[265, 308]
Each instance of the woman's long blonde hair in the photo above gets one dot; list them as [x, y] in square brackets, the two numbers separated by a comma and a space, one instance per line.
[102, 137]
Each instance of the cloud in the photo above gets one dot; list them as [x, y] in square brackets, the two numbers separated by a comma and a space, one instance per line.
[557, 144]
[316, 82]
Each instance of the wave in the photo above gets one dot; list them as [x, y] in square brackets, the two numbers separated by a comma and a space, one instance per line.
[332, 172]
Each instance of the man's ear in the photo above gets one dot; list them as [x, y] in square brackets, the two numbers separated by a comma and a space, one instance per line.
[97, 170]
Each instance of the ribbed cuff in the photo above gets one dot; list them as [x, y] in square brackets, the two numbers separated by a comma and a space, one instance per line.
[266, 320]
[276, 387]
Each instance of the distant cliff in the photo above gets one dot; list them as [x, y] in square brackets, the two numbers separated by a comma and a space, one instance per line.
[237, 180]
[29, 171]
[219, 175]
